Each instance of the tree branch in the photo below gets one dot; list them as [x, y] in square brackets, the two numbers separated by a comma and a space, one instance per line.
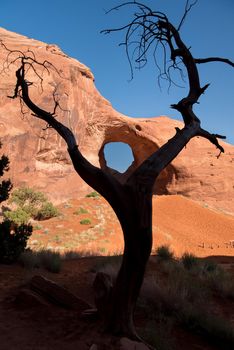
[95, 177]
[213, 138]
[156, 26]
[214, 59]
[150, 169]
[186, 11]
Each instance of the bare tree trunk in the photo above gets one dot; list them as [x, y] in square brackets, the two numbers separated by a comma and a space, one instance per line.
[135, 217]
[119, 318]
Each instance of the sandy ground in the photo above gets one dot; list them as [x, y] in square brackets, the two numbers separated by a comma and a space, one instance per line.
[187, 226]
[180, 223]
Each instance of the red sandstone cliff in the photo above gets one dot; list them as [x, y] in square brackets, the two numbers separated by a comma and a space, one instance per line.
[39, 158]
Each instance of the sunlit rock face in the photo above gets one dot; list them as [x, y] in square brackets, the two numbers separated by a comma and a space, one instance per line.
[39, 157]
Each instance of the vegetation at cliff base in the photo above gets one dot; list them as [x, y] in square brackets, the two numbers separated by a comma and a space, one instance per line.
[28, 204]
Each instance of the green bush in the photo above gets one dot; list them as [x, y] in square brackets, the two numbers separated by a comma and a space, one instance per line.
[93, 194]
[164, 253]
[30, 204]
[18, 216]
[47, 211]
[28, 199]
[13, 241]
[5, 185]
[85, 222]
[80, 211]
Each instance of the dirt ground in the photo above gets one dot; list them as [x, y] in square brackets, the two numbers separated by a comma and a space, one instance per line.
[178, 222]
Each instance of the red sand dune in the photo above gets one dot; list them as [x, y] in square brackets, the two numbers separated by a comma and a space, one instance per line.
[187, 226]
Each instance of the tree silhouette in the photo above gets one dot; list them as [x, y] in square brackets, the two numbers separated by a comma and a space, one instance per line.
[132, 200]
[5, 185]
[13, 238]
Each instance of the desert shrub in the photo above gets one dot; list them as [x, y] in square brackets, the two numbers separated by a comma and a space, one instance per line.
[47, 211]
[37, 227]
[47, 259]
[77, 254]
[189, 260]
[29, 259]
[27, 197]
[85, 222]
[72, 255]
[93, 194]
[209, 266]
[31, 204]
[102, 250]
[50, 260]
[184, 295]
[80, 211]
[221, 282]
[5, 185]
[164, 253]
[13, 241]
[214, 328]
[18, 216]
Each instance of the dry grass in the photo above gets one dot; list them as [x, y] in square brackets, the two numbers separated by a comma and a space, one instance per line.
[183, 293]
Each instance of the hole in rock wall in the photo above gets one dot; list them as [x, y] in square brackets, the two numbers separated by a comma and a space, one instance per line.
[118, 156]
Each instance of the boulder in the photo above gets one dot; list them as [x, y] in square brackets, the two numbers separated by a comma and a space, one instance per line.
[57, 294]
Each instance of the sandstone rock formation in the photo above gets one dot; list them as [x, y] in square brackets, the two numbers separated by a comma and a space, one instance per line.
[38, 155]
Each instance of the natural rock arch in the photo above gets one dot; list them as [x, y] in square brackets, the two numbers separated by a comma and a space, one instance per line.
[140, 151]
[114, 157]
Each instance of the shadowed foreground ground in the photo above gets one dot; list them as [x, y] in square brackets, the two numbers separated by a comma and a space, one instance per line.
[27, 323]
[40, 324]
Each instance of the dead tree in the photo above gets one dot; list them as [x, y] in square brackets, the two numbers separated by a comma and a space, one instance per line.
[132, 201]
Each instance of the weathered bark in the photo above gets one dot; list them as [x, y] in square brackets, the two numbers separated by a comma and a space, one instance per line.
[137, 229]
[117, 304]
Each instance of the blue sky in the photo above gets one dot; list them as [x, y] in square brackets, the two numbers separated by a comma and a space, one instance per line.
[75, 26]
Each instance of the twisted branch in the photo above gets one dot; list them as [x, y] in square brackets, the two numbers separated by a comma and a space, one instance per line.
[152, 29]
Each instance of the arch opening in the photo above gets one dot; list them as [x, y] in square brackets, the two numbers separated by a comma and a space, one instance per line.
[118, 156]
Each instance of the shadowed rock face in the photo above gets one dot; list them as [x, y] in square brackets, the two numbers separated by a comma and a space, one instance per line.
[39, 158]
